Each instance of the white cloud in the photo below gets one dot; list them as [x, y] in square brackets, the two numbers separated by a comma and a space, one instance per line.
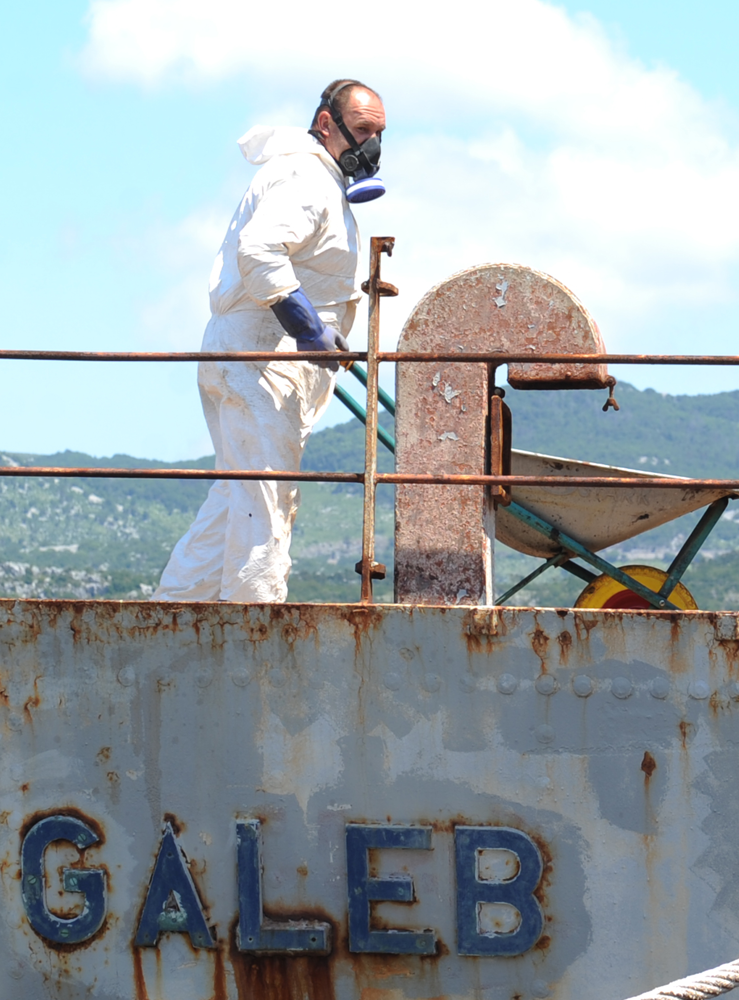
[516, 132]
[183, 254]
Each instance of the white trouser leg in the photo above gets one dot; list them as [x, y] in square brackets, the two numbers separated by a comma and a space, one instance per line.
[260, 417]
[195, 568]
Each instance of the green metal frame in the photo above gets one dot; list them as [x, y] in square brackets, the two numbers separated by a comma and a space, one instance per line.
[570, 547]
[359, 411]
[361, 374]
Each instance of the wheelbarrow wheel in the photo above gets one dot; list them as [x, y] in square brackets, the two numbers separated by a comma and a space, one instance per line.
[608, 594]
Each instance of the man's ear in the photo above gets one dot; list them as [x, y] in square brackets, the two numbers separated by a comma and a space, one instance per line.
[324, 117]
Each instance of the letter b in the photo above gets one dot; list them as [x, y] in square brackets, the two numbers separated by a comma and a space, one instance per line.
[474, 892]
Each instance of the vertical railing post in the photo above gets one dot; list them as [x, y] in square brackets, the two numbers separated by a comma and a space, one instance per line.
[375, 289]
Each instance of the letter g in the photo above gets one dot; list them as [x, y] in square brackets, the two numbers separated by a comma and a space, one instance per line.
[89, 881]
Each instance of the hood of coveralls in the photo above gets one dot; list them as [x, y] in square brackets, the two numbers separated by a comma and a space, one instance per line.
[263, 142]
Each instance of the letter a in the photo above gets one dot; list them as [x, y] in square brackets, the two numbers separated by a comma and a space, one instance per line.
[172, 902]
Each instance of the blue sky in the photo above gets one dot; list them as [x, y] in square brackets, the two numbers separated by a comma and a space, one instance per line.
[597, 142]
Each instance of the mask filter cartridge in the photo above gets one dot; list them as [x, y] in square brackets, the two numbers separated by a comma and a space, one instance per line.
[365, 189]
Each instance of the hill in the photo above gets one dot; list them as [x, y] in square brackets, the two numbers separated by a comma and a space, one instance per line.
[110, 538]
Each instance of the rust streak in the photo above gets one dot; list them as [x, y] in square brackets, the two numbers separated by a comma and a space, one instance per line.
[138, 976]
[565, 645]
[363, 619]
[586, 624]
[33, 701]
[287, 977]
[220, 991]
[648, 765]
[177, 825]
[539, 644]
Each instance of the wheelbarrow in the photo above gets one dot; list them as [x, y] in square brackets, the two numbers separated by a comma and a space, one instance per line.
[558, 524]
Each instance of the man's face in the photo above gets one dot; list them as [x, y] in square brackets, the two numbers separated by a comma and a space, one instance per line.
[364, 116]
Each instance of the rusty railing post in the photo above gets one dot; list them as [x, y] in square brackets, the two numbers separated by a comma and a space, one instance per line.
[500, 447]
[375, 289]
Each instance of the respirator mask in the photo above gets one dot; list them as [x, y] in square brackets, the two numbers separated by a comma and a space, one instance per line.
[359, 163]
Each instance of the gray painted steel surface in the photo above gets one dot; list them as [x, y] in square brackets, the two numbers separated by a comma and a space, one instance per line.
[548, 797]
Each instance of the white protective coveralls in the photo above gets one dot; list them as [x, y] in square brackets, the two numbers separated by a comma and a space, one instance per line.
[294, 228]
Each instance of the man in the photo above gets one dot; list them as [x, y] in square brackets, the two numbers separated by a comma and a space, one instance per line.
[285, 279]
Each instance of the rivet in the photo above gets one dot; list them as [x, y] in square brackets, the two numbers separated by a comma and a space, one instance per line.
[734, 690]
[16, 969]
[391, 680]
[277, 677]
[126, 676]
[507, 683]
[546, 684]
[407, 654]
[544, 734]
[698, 690]
[540, 989]
[659, 688]
[621, 687]
[582, 686]
[15, 722]
[240, 677]
[203, 677]
[431, 682]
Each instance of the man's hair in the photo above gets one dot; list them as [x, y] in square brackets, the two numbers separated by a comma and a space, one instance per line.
[338, 93]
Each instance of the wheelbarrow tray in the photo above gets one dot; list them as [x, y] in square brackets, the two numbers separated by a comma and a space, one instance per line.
[595, 516]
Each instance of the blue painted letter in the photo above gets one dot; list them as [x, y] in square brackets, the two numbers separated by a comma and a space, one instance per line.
[399, 889]
[256, 933]
[89, 881]
[172, 902]
[517, 892]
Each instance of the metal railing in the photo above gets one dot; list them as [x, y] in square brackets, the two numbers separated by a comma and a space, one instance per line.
[370, 478]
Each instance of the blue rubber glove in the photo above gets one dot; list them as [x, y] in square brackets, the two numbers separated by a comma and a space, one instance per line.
[300, 320]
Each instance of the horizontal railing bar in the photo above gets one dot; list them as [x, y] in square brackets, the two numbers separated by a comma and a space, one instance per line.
[179, 356]
[563, 482]
[560, 359]
[267, 475]
[422, 357]
[421, 479]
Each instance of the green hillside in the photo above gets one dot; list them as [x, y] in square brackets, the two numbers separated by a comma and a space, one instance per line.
[681, 435]
[110, 538]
